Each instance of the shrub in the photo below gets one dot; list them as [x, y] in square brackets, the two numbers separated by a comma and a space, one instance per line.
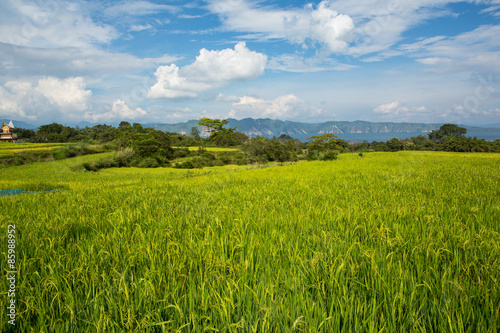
[330, 156]
[148, 162]
[181, 152]
[184, 165]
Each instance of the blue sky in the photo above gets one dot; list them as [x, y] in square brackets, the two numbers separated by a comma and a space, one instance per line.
[171, 61]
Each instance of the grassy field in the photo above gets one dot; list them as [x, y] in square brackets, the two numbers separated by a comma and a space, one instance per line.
[392, 242]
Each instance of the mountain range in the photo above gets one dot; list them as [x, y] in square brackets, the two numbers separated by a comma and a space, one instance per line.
[272, 127]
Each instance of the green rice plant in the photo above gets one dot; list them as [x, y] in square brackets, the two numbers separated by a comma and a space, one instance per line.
[394, 242]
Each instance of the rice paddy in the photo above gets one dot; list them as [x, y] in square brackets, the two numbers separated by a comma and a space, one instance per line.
[387, 242]
[18, 148]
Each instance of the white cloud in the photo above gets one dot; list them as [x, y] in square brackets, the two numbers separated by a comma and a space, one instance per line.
[139, 8]
[432, 61]
[297, 64]
[396, 108]
[356, 28]
[464, 114]
[51, 25]
[476, 50]
[48, 99]
[282, 107]
[119, 111]
[65, 62]
[380, 24]
[67, 94]
[140, 27]
[212, 69]
[221, 98]
[392, 108]
[322, 25]
[490, 112]
[331, 28]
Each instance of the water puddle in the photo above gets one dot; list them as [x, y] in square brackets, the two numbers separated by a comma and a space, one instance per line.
[4, 193]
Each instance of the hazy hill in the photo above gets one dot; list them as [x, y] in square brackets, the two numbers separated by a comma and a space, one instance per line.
[273, 127]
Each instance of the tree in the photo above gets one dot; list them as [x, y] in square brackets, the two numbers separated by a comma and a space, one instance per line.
[324, 142]
[124, 124]
[447, 130]
[25, 134]
[220, 135]
[54, 133]
[394, 144]
[195, 132]
[215, 125]
[138, 128]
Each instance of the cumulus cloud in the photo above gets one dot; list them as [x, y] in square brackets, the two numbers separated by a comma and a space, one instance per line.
[212, 69]
[67, 94]
[48, 98]
[322, 25]
[396, 108]
[330, 28]
[391, 108]
[282, 107]
[119, 111]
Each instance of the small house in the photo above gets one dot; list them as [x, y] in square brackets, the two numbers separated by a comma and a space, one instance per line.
[7, 135]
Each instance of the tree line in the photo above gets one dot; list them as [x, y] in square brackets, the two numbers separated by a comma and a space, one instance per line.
[135, 145]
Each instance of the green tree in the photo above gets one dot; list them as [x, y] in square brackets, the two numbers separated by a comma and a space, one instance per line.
[138, 128]
[394, 144]
[220, 135]
[25, 134]
[324, 142]
[447, 130]
[55, 133]
[124, 124]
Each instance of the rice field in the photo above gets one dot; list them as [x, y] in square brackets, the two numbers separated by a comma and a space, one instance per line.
[7, 148]
[387, 242]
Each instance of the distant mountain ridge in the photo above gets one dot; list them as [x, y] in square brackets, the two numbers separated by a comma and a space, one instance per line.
[273, 127]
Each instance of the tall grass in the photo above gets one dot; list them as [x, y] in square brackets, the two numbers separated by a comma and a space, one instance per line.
[398, 242]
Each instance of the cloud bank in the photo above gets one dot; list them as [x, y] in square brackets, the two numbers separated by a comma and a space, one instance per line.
[50, 98]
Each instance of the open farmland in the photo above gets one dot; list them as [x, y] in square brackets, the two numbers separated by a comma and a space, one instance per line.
[406, 241]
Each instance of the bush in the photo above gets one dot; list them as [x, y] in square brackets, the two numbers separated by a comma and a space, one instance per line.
[181, 152]
[148, 162]
[330, 156]
[184, 165]
[311, 155]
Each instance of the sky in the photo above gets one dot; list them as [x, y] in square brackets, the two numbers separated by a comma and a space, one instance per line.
[310, 61]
